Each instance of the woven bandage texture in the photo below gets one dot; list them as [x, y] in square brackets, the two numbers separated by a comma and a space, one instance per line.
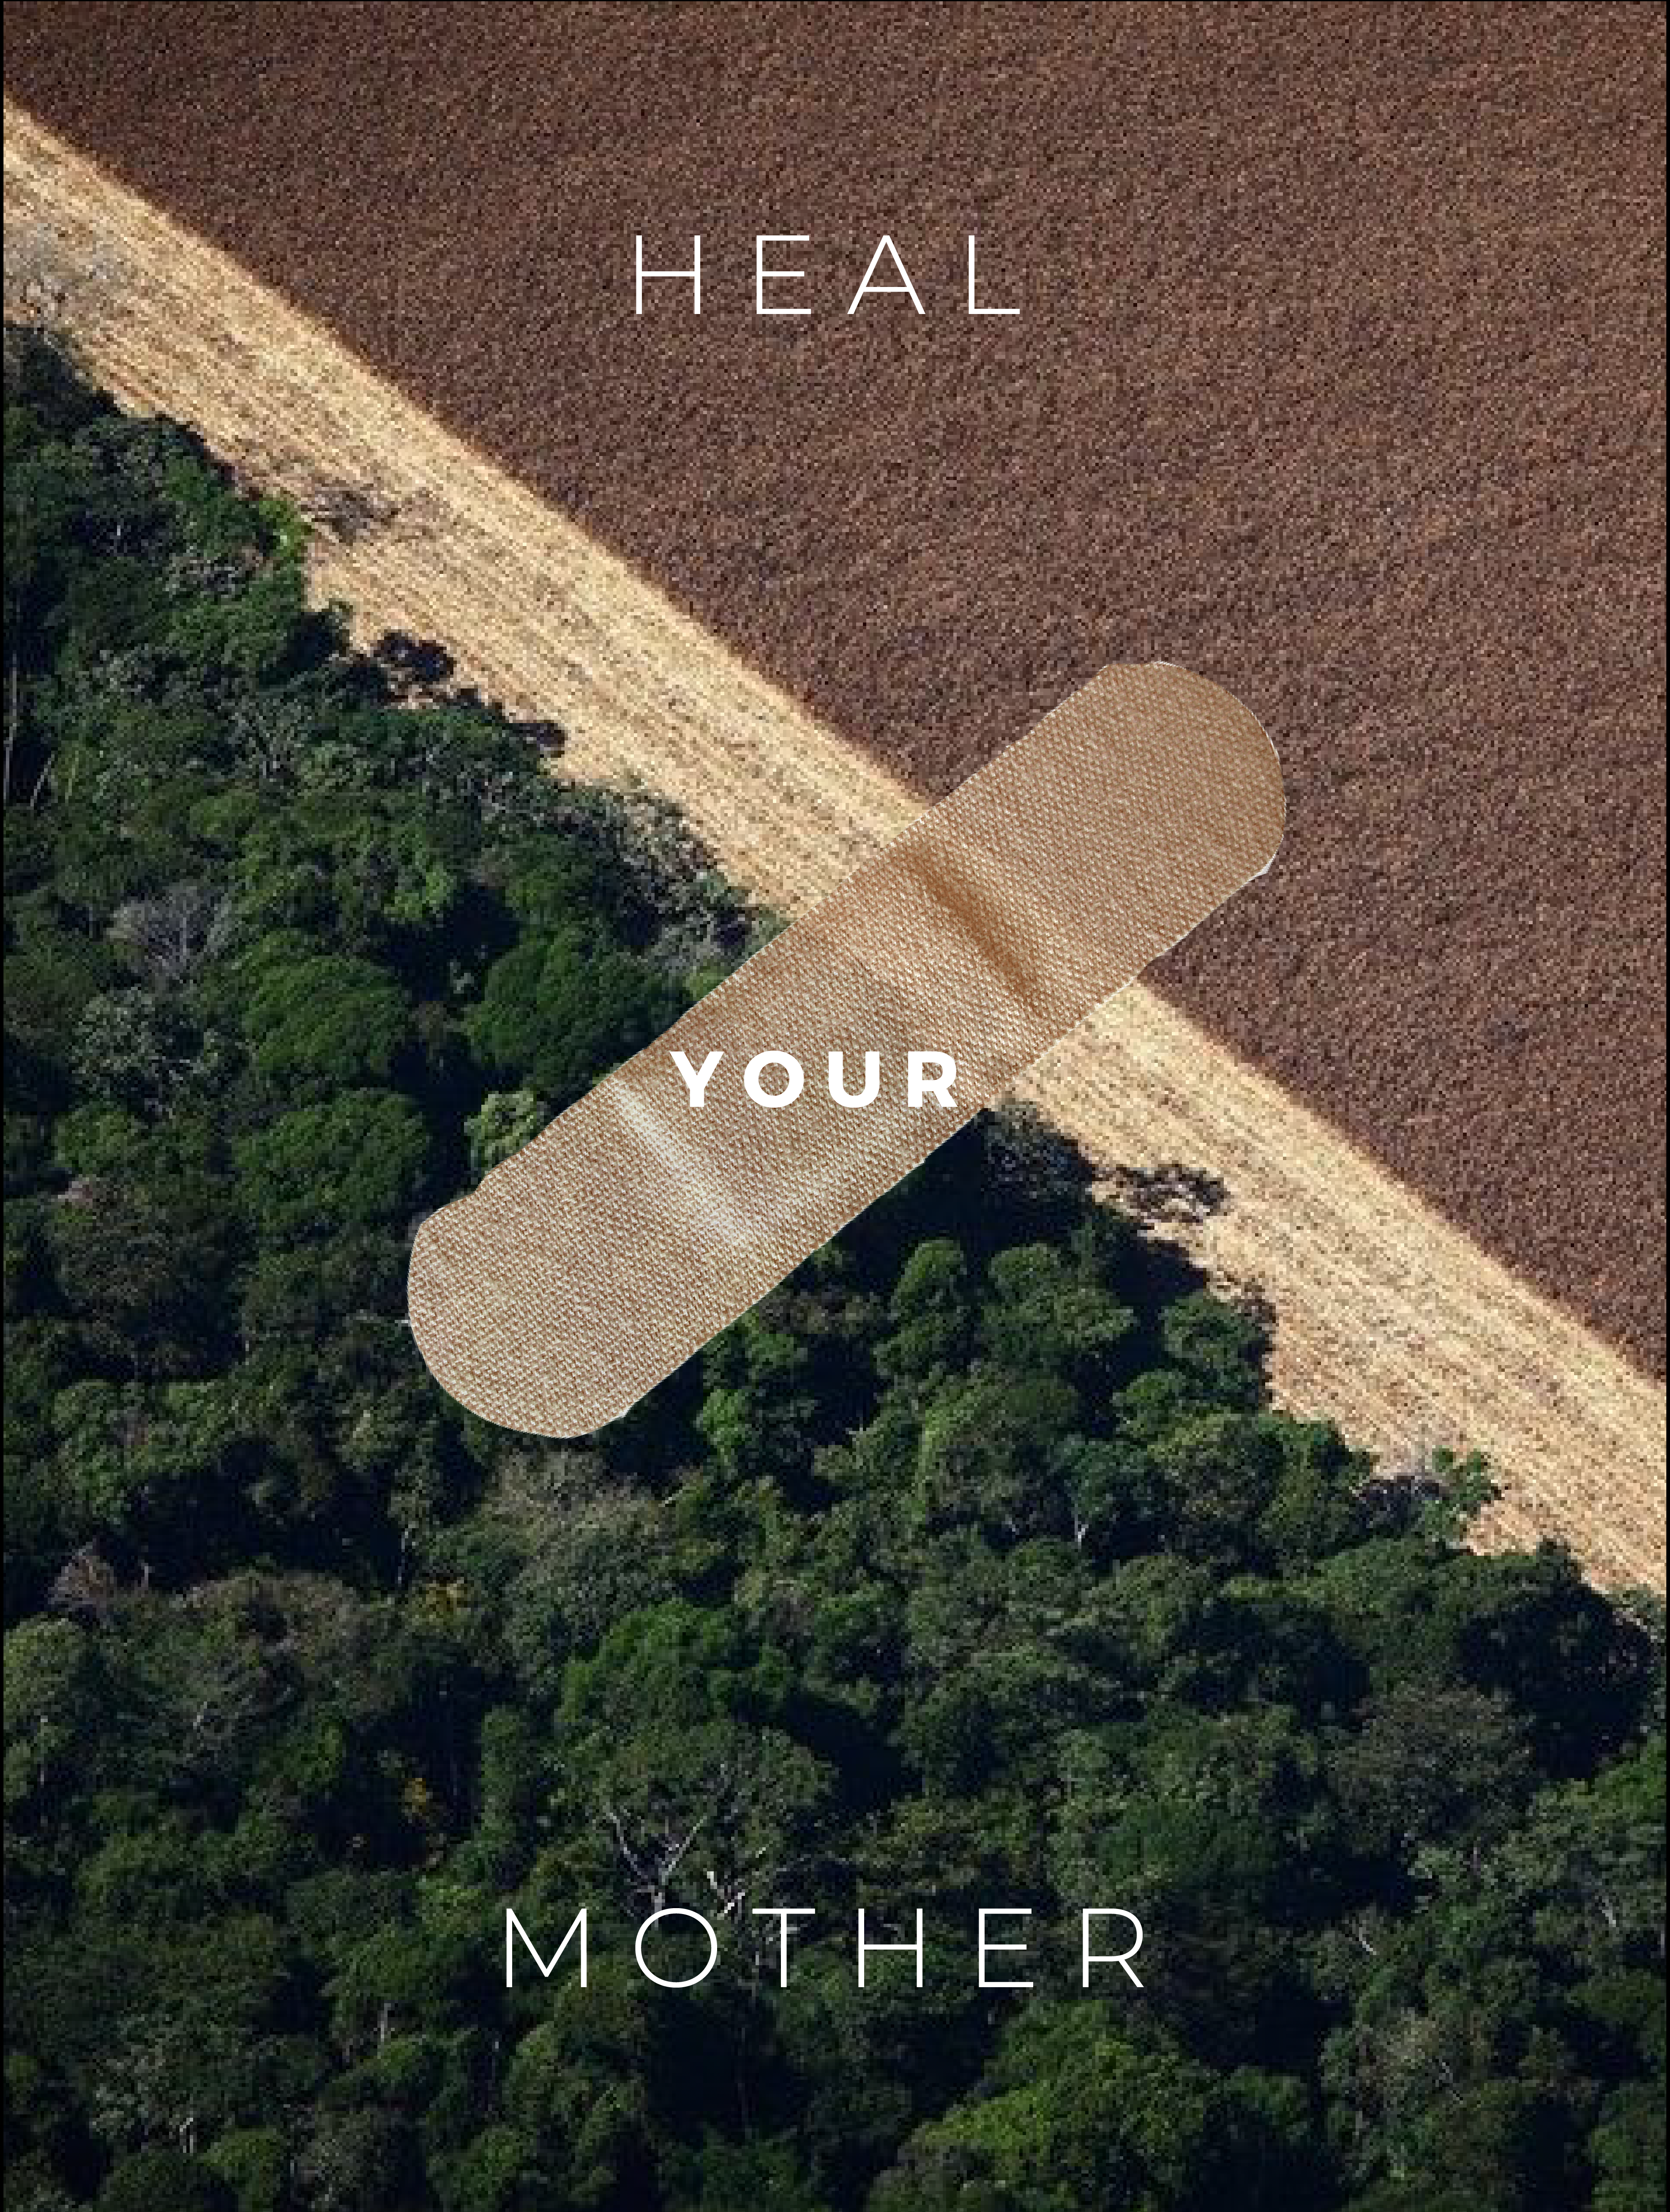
[595, 1261]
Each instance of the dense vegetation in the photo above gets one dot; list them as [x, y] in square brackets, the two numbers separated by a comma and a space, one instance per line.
[972, 1568]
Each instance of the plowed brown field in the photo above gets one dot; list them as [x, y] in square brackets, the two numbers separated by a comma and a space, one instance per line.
[1387, 1318]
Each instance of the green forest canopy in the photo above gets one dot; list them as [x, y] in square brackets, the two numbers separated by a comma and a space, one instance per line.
[972, 1567]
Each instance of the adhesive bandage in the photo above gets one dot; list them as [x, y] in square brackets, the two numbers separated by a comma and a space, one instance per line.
[670, 1198]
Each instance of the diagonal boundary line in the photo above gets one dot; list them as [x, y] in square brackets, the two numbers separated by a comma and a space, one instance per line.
[1388, 1319]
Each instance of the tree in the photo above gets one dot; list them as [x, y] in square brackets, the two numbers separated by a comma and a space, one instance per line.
[157, 2177]
[140, 1051]
[1103, 2119]
[171, 936]
[498, 2170]
[357, 1158]
[254, 2164]
[52, 1699]
[1221, 1348]
[931, 1316]
[557, 1011]
[324, 1024]
[1420, 1766]
[1045, 1315]
[981, 1439]
[506, 1121]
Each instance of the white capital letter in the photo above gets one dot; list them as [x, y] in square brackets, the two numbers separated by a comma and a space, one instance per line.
[886, 246]
[1001, 1912]
[921, 1083]
[973, 309]
[695, 1078]
[514, 1928]
[1121, 1959]
[752, 1085]
[761, 272]
[918, 1948]
[784, 1915]
[677, 1912]
[694, 271]
[872, 1079]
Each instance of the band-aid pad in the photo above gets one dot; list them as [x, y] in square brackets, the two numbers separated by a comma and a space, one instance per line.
[598, 1258]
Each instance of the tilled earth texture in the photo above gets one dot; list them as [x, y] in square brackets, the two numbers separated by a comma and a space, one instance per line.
[1336, 377]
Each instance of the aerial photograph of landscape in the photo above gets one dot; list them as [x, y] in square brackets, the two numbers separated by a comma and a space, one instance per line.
[835, 1015]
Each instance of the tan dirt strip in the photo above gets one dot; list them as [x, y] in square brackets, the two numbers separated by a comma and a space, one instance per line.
[1388, 1319]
